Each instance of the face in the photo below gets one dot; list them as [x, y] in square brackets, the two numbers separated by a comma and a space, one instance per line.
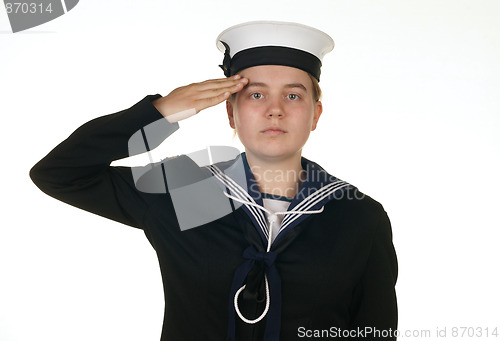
[274, 114]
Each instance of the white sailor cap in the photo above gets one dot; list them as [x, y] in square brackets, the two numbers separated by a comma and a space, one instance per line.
[273, 43]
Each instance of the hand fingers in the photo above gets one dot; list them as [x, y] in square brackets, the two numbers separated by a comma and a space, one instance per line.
[215, 96]
[220, 83]
[200, 95]
[232, 87]
[208, 102]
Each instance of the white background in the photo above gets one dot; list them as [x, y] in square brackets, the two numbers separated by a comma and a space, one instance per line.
[411, 117]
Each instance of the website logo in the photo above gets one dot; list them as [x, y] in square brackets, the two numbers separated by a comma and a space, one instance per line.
[31, 13]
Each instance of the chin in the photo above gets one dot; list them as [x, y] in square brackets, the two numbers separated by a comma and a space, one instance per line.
[274, 154]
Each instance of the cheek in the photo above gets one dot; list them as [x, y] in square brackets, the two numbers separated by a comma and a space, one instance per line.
[304, 117]
[239, 123]
[243, 116]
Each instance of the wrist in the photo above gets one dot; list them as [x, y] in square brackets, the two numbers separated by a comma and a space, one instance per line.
[172, 115]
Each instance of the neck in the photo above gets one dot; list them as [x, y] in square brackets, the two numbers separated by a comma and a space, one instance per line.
[278, 177]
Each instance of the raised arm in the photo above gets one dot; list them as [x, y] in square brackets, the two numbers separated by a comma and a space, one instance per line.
[78, 170]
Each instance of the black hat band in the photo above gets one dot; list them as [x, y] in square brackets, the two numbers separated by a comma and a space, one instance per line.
[271, 55]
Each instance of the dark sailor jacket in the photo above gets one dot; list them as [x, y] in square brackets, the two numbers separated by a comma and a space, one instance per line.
[329, 274]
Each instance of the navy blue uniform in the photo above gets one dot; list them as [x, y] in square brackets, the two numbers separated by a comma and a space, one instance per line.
[328, 272]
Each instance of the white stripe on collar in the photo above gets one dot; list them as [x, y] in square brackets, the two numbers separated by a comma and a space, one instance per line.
[312, 200]
[243, 195]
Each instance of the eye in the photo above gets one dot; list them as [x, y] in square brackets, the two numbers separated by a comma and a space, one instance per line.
[293, 97]
[256, 95]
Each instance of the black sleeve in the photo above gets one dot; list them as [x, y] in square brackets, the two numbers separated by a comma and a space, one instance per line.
[375, 314]
[78, 170]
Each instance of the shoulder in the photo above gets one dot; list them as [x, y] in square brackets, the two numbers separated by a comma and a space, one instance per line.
[357, 201]
[358, 211]
[342, 195]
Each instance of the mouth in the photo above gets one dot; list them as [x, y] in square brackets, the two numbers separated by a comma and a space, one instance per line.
[273, 131]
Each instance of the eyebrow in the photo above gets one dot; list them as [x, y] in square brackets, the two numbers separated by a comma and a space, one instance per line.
[287, 86]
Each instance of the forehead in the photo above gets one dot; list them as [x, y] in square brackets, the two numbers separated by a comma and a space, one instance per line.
[277, 75]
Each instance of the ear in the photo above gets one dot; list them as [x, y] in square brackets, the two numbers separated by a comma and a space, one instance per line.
[318, 110]
[230, 116]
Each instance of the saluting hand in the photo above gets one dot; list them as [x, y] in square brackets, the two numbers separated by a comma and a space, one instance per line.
[191, 99]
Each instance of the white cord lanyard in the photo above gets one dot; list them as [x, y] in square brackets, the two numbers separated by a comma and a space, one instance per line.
[273, 220]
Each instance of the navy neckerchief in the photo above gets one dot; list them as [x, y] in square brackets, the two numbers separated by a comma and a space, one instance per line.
[318, 188]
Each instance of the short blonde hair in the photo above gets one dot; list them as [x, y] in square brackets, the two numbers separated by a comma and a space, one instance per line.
[316, 88]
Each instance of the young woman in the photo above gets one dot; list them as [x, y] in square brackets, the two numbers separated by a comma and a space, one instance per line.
[267, 246]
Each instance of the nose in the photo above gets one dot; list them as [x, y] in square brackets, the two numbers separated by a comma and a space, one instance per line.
[275, 109]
